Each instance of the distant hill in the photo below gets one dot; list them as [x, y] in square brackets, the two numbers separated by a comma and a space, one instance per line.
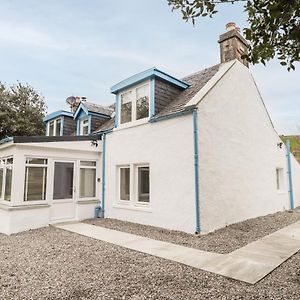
[295, 144]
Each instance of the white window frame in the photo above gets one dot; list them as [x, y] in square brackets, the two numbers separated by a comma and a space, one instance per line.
[4, 168]
[54, 121]
[82, 125]
[119, 168]
[280, 180]
[136, 180]
[133, 105]
[45, 166]
[133, 202]
[88, 167]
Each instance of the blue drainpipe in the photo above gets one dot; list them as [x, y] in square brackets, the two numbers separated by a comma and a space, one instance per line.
[196, 168]
[103, 176]
[288, 155]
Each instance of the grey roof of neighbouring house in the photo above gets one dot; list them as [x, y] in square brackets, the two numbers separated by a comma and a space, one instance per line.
[196, 82]
[97, 108]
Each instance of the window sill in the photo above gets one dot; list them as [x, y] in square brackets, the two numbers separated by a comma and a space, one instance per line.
[133, 207]
[23, 207]
[132, 124]
[279, 192]
[35, 202]
[88, 201]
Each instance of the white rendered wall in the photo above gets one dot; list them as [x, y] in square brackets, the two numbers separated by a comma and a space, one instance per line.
[296, 180]
[238, 154]
[168, 148]
[4, 222]
[26, 219]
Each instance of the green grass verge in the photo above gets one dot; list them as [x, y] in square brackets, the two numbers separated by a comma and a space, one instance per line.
[295, 144]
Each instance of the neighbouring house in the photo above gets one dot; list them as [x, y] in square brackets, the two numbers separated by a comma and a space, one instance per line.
[192, 154]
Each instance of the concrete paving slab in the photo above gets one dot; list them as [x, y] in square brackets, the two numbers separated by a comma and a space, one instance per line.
[181, 254]
[250, 263]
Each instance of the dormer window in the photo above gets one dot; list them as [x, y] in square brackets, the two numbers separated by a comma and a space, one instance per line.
[84, 127]
[134, 104]
[54, 127]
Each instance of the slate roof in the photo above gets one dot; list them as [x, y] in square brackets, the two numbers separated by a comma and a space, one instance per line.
[99, 109]
[196, 82]
[108, 125]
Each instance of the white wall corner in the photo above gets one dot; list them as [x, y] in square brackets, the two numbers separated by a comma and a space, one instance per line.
[211, 83]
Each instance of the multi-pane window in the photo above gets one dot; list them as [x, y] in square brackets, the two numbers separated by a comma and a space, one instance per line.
[134, 104]
[87, 179]
[84, 127]
[143, 184]
[35, 179]
[126, 107]
[54, 127]
[125, 183]
[6, 171]
[134, 184]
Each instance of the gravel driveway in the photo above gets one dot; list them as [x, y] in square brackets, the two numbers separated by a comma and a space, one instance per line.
[50, 263]
[224, 240]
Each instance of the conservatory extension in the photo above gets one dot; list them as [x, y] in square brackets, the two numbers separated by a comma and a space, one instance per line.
[45, 180]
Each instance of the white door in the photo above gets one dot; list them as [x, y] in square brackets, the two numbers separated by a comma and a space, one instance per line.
[63, 203]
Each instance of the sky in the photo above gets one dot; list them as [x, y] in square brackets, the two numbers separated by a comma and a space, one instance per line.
[83, 47]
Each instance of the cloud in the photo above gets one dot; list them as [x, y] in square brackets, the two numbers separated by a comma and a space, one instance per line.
[26, 36]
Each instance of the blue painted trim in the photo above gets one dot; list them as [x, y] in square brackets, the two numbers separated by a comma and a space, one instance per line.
[152, 97]
[147, 74]
[79, 108]
[170, 116]
[196, 168]
[288, 155]
[62, 119]
[78, 127]
[90, 125]
[117, 110]
[6, 140]
[57, 114]
[103, 175]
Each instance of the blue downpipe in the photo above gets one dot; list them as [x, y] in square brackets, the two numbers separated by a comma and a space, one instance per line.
[288, 155]
[196, 169]
[103, 176]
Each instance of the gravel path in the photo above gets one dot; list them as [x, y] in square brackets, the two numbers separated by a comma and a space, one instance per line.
[224, 240]
[50, 263]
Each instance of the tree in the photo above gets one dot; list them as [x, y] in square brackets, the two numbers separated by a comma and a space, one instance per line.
[274, 26]
[21, 111]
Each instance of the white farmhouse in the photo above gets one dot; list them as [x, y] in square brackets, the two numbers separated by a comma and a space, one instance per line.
[192, 154]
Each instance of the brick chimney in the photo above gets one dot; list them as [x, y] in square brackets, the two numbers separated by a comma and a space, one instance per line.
[232, 45]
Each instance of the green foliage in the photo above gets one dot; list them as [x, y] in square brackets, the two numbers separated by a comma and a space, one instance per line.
[21, 111]
[274, 26]
[295, 144]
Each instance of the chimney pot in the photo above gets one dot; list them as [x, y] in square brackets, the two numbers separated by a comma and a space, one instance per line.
[230, 26]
